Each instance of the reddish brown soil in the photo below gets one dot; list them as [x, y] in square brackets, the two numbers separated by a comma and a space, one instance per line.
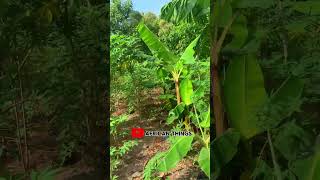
[149, 118]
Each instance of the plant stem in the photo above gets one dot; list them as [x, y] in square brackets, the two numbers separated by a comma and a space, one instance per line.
[273, 155]
[197, 117]
[177, 91]
[220, 122]
[24, 122]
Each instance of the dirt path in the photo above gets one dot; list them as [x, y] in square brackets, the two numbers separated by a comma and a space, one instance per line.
[149, 118]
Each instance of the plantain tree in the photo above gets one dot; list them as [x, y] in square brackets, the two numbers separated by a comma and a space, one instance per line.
[180, 71]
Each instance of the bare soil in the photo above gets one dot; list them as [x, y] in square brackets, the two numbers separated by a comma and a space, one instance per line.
[149, 118]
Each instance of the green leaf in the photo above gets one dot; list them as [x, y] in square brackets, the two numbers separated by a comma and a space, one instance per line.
[175, 113]
[204, 160]
[240, 33]
[186, 11]
[222, 13]
[177, 151]
[291, 140]
[262, 171]
[224, 149]
[205, 119]
[156, 47]
[177, 10]
[187, 56]
[308, 168]
[186, 91]
[307, 7]
[287, 97]
[244, 94]
[264, 4]
[161, 73]
[166, 96]
[298, 26]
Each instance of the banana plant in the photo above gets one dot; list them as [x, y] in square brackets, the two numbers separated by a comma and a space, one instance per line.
[186, 108]
[170, 62]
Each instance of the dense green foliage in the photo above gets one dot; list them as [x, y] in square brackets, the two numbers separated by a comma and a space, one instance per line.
[52, 73]
[265, 60]
[174, 57]
[266, 87]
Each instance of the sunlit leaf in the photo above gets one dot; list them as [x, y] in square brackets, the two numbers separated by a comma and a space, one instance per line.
[204, 160]
[188, 55]
[157, 47]
[175, 113]
[186, 91]
[177, 151]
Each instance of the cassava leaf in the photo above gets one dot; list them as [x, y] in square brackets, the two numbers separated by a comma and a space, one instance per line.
[244, 94]
[177, 151]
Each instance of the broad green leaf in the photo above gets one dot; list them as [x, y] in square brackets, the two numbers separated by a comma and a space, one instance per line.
[222, 13]
[177, 10]
[187, 56]
[186, 11]
[156, 47]
[253, 44]
[186, 91]
[307, 7]
[175, 113]
[224, 148]
[244, 94]
[264, 4]
[240, 33]
[205, 119]
[204, 160]
[308, 168]
[177, 151]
